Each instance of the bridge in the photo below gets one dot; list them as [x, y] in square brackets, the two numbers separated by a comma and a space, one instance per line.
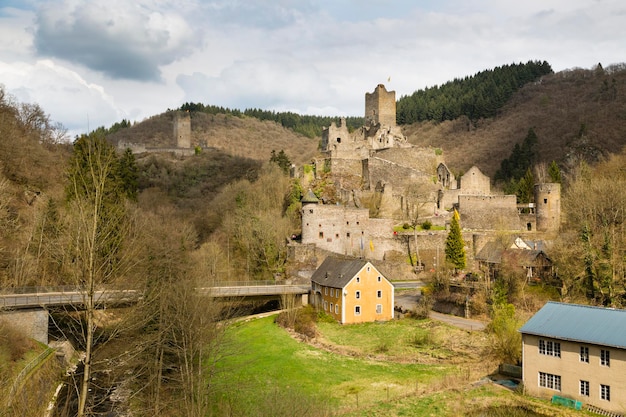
[27, 307]
[59, 296]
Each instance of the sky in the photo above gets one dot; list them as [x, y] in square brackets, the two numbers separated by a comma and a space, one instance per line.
[91, 63]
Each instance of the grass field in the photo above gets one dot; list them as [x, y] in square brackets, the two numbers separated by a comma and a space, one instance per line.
[400, 368]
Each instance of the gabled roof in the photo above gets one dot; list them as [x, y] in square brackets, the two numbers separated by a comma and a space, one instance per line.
[310, 197]
[337, 272]
[579, 323]
[490, 253]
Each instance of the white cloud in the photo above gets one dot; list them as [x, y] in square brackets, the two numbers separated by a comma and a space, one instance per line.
[113, 59]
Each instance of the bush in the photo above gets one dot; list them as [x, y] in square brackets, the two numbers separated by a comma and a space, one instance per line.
[14, 341]
[304, 322]
[427, 225]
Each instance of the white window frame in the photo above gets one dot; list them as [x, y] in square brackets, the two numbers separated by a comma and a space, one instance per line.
[605, 392]
[583, 388]
[549, 348]
[584, 354]
[336, 308]
[379, 294]
[379, 309]
[357, 294]
[357, 310]
[550, 381]
[605, 358]
[331, 307]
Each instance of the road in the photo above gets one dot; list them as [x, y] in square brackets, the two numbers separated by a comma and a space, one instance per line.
[408, 301]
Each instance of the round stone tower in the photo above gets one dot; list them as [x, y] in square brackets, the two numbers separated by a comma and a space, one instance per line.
[548, 206]
[309, 217]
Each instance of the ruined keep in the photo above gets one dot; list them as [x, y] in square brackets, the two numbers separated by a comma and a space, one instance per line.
[182, 130]
[380, 107]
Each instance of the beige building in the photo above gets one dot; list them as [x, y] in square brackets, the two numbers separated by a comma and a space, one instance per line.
[352, 291]
[577, 352]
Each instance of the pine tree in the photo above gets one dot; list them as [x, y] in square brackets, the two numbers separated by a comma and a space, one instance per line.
[555, 172]
[455, 248]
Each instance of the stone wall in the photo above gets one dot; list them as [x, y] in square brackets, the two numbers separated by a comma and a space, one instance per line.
[474, 182]
[489, 212]
[33, 323]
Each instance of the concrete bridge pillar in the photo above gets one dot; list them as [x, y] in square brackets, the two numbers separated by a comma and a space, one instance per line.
[32, 322]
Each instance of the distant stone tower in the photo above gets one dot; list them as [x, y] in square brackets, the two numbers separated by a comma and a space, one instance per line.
[548, 206]
[309, 217]
[182, 130]
[380, 107]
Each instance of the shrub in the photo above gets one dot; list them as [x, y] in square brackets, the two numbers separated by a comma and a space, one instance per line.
[427, 225]
[304, 322]
[16, 342]
[420, 339]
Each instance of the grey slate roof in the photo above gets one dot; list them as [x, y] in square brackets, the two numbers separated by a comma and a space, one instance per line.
[310, 197]
[337, 272]
[579, 323]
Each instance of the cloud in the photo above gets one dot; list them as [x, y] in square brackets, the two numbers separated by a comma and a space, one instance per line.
[124, 40]
[62, 93]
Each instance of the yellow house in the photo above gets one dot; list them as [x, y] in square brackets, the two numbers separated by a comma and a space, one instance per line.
[577, 352]
[352, 291]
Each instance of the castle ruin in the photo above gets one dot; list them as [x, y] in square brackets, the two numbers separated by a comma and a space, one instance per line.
[381, 180]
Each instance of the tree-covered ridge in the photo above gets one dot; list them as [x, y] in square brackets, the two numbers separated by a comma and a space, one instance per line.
[309, 126]
[478, 96]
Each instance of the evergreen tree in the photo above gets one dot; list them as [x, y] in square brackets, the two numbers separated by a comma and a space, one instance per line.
[555, 172]
[455, 247]
[281, 160]
[525, 188]
[128, 174]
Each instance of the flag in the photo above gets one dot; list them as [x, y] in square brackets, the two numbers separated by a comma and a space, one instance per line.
[371, 246]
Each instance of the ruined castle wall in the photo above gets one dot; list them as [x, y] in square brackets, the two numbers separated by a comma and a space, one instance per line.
[420, 159]
[448, 199]
[398, 176]
[337, 136]
[380, 106]
[338, 229]
[474, 182]
[495, 212]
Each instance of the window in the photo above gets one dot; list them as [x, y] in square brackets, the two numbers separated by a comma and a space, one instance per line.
[348, 234]
[549, 348]
[605, 357]
[336, 308]
[379, 279]
[358, 279]
[325, 290]
[325, 305]
[357, 310]
[357, 294]
[368, 269]
[321, 235]
[605, 392]
[379, 294]
[550, 381]
[379, 309]
[331, 307]
[584, 354]
[584, 388]
[332, 292]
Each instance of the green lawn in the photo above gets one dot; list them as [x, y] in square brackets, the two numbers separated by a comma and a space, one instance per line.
[269, 373]
[270, 362]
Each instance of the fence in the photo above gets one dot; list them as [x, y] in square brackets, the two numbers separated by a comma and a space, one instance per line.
[26, 371]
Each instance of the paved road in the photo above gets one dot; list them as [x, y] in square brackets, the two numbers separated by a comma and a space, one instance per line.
[408, 301]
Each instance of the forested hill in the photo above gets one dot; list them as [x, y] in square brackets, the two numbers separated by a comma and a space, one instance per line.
[476, 97]
[576, 114]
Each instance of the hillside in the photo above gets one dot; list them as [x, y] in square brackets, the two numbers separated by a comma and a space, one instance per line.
[577, 114]
[243, 136]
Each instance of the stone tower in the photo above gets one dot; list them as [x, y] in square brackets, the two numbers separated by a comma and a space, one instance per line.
[182, 130]
[309, 216]
[380, 107]
[548, 206]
